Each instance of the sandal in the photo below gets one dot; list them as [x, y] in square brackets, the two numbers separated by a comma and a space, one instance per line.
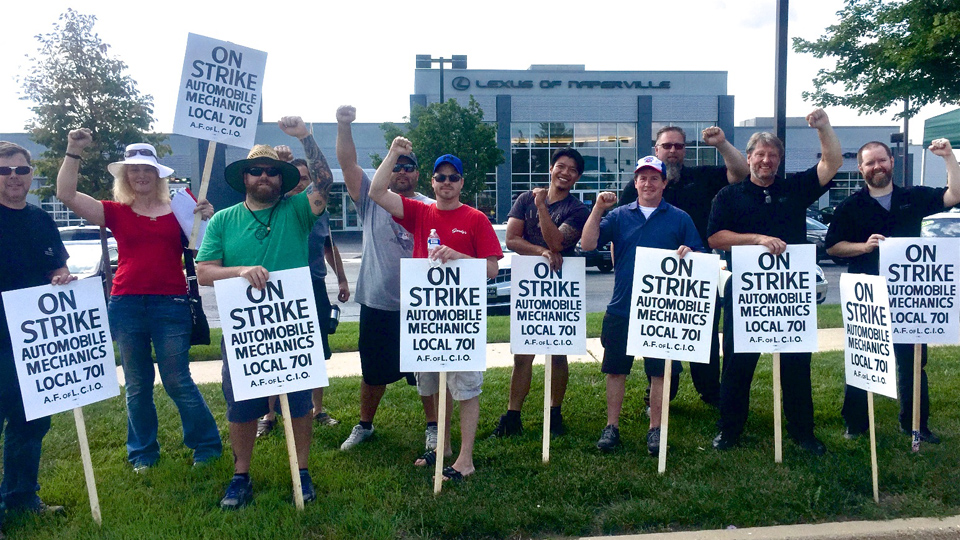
[265, 426]
[325, 419]
[429, 458]
[449, 473]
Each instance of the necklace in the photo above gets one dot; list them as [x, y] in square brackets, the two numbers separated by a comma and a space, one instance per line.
[263, 229]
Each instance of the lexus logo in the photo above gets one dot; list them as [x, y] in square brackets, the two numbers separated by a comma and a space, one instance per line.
[460, 83]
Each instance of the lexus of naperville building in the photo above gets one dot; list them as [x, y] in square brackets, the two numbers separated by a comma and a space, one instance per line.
[609, 116]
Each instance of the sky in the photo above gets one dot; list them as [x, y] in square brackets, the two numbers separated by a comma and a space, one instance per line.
[324, 54]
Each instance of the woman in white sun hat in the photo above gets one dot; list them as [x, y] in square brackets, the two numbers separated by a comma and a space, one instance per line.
[148, 302]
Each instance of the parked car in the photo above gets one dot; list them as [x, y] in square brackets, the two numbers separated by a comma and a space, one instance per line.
[601, 257]
[82, 232]
[943, 225]
[86, 257]
[498, 288]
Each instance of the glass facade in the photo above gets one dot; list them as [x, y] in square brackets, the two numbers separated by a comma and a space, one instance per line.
[609, 151]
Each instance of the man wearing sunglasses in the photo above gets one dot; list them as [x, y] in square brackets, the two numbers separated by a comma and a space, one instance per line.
[385, 242]
[264, 233]
[465, 233]
[692, 189]
[33, 255]
[769, 211]
[544, 222]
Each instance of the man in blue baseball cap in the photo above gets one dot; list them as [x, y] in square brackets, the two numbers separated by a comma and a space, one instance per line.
[465, 233]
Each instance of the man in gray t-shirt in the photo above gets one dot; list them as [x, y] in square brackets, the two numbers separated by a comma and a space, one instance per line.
[385, 242]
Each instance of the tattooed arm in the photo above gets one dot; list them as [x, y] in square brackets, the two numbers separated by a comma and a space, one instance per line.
[322, 177]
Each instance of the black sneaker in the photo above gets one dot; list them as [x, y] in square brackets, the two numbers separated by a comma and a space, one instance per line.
[725, 441]
[306, 487]
[556, 425]
[239, 493]
[653, 441]
[506, 427]
[926, 435]
[609, 438]
[811, 444]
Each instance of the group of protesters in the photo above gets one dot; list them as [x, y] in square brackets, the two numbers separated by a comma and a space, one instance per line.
[282, 224]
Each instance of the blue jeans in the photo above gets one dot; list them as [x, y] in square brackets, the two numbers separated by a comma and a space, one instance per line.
[135, 321]
[22, 440]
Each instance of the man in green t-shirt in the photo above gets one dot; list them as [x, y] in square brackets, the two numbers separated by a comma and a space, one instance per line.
[265, 233]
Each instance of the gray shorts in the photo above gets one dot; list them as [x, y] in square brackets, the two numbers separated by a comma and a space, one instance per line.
[462, 385]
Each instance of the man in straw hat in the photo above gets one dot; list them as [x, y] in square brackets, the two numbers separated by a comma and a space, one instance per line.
[264, 233]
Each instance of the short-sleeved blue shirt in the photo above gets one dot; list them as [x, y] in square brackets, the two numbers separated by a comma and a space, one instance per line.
[668, 227]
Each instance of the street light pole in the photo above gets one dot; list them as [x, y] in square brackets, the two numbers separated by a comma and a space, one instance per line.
[457, 61]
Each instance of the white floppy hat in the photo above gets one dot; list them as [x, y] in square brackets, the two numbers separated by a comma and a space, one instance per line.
[140, 154]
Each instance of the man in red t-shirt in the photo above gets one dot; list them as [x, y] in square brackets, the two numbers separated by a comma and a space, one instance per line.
[465, 233]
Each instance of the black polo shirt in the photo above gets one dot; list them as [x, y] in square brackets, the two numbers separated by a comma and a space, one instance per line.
[779, 210]
[860, 215]
[692, 192]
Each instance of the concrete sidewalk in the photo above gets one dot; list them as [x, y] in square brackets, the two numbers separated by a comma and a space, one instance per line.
[498, 355]
[912, 528]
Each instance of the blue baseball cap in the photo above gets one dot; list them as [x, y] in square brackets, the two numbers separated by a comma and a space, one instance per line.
[451, 159]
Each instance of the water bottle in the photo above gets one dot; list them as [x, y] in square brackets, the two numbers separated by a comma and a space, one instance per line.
[433, 243]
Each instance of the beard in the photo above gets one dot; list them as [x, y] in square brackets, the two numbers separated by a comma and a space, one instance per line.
[264, 193]
[879, 179]
[672, 171]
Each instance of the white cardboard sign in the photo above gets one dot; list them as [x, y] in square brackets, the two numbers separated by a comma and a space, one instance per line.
[61, 346]
[868, 353]
[672, 305]
[922, 282]
[221, 88]
[271, 336]
[548, 313]
[443, 315]
[774, 299]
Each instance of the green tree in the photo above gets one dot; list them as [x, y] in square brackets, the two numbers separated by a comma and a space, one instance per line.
[887, 51]
[75, 83]
[449, 128]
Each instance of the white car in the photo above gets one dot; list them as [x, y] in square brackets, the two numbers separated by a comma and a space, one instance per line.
[942, 225]
[86, 257]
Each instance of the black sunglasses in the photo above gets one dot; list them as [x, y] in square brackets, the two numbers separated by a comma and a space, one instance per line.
[257, 171]
[405, 167]
[140, 151]
[444, 177]
[22, 170]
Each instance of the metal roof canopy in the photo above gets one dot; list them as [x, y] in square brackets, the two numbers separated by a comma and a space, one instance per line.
[946, 126]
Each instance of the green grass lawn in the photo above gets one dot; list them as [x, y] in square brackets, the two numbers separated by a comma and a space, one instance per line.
[375, 492]
[498, 331]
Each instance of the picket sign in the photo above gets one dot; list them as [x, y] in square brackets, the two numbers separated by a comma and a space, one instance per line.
[672, 307]
[923, 280]
[441, 434]
[775, 310]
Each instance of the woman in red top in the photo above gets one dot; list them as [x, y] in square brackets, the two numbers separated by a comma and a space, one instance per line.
[148, 302]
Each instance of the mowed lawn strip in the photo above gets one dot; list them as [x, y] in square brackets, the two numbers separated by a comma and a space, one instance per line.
[374, 491]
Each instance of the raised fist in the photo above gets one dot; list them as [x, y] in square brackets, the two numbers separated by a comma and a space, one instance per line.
[941, 147]
[78, 139]
[293, 126]
[818, 119]
[346, 114]
[714, 136]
